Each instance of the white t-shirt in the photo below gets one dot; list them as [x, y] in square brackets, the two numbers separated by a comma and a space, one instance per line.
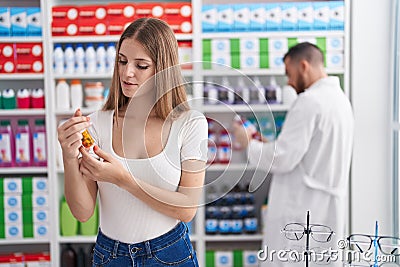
[124, 217]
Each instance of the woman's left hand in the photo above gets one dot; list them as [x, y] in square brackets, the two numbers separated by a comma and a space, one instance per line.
[109, 170]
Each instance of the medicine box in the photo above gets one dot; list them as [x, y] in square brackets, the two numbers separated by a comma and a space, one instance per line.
[258, 20]
[241, 14]
[321, 15]
[249, 45]
[334, 60]
[305, 16]
[18, 21]
[34, 21]
[276, 45]
[209, 18]
[5, 21]
[289, 17]
[225, 18]
[337, 15]
[223, 258]
[273, 13]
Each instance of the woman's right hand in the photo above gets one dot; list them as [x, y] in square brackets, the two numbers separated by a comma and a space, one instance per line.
[70, 134]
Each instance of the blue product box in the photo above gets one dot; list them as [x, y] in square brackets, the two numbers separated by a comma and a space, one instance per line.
[209, 18]
[305, 13]
[241, 15]
[321, 16]
[5, 21]
[225, 18]
[336, 21]
[18, 21]
[289, 17]
[258, 20]
[273, 14]
[34, 21]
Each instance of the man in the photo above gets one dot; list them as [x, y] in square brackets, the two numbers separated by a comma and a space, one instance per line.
[310, 160]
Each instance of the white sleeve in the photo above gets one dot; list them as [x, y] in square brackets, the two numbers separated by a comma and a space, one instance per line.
[194, 136]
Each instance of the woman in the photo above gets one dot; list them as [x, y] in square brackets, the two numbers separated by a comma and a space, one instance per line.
[153, 153]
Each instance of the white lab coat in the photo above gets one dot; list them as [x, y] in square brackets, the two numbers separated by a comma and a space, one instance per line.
[310, 162]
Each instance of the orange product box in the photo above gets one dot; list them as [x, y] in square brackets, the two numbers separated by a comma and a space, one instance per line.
[120, 11]
[155, 10]
[29, 50]
[92, 27]
[179, 25]
[178, 9]
[64, 28]
[28, 65]
[92, 12]
[63, 13]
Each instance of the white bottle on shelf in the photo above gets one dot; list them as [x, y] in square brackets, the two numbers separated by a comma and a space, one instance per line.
[260, 89]
[110, 57]
[79, 59]
[273, 86]
[62, 95]
[212, 92]
[69, 59]
[76, 94]
[100, 58]
[90, 57]
[230, 94]
[243, 90]
[58, 59]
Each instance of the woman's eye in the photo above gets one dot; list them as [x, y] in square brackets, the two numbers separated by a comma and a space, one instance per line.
[143, 67]
[122, 62]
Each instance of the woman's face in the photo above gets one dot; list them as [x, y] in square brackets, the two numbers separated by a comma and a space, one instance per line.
[135, 67]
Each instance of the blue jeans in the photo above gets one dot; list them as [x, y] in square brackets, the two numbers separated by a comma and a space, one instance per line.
[170, 249]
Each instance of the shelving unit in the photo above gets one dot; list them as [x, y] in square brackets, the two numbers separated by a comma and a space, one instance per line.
[197, 75]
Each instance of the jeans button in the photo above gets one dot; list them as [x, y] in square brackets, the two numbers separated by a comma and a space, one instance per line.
[135, 249]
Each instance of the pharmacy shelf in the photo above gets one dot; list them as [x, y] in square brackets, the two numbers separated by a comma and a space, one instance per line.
[23, 112]
[245, 108]
[233, 238]
[23, 170]
[105, 38]
[228, 71]
[83, 76]
[22, 76]
[25, 241]
[216, 167]
[277, 34]
[77, 239]
[70, 112]
[21, 39]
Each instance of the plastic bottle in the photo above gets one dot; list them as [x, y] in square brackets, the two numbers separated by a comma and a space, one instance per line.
[79, 59]
[242, 95]
[110, 57]
[6, 144]
[23, 144]
[89, 228]
[62, 94]
[68, 223]
[90, 59]
[68, 257]
[76, 94]
[212, 92]
[261, 91]
[39, 143]
[101, 59]
[226, 93]
[69, 59]
[273, 92]
[58, 59]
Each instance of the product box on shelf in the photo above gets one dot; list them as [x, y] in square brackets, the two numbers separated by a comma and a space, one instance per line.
[305, 16]
[119, 16]
[29, 57]
[225, 18]
[289, 17]
[258, 18]
[321, 16]
[92, 20]
[278, 45]
[334, 60]
[64, 28]
[209, 18]
[144, 9]
[7, 59]
[34, 21]
[18, 21]
[241, 15]
[334, 44]
[273, 13]
[177, 9]
[180, 25]
[5, 21]
[336, 21]
[64, 13]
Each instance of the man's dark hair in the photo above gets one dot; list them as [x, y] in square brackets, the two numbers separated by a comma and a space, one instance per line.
[305, 51]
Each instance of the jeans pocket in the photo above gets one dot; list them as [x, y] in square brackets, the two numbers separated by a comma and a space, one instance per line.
[101, 256]
[178, 252]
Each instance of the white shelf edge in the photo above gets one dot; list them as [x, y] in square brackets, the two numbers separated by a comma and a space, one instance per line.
[22, 76]
[84, 76]
[265, 34]
[257, 72]
[23, 170]
[26, 241]
[229, 167]
[104, 38]
[24, 112]
[21, 39]
[236, 238]
[244, 108]
[77, 239]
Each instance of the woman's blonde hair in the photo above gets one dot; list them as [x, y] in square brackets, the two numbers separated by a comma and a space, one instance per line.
[160, 43]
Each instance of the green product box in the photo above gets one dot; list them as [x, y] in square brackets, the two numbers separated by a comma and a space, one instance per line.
[89, 228]
[292, 42]
[264, 60]
[27, 216]
[2, 231]
[237, 258]
[26, 185]
[210, 258]
[27, 229]
[235, 61]
[68, 223]
[321, 43]
[235, 46]
[263, 45]
[206, 46]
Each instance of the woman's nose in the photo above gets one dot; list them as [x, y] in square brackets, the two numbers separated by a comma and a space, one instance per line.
[130, 70]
